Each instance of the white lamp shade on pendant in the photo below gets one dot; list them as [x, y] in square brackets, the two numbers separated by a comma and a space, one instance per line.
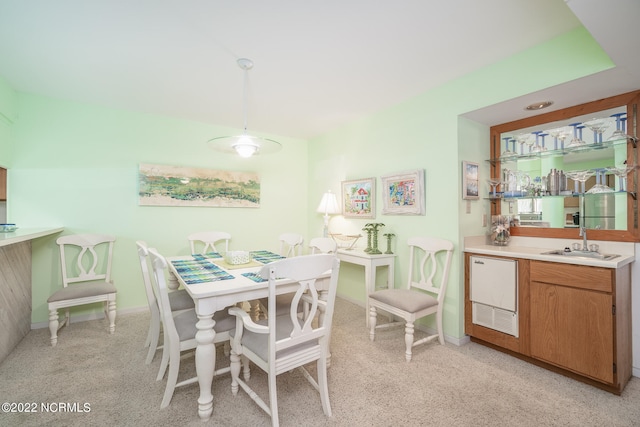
[244, 145]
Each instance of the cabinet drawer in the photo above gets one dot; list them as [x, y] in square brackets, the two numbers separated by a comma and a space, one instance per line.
[577, 276]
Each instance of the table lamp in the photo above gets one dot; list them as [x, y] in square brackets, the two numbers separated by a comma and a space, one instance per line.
[328, 206]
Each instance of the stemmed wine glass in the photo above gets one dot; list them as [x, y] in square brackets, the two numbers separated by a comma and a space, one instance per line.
[507, 153]
[580, 176]
[598, 126]
[536, 148]
[620, 132]
[621, 172]
[522, 139]
[576, 141]
[493, 183]
[542, 135]
[559, 134]
[599, 187]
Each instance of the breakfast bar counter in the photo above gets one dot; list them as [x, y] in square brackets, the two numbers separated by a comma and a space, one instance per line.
[15, 284]
[26, 234]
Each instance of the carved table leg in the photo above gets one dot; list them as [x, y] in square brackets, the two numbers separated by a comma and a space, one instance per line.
[205, 363]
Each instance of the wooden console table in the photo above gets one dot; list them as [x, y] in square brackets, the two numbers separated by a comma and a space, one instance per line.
[370, 264]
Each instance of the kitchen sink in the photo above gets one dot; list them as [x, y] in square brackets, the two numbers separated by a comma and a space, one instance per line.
[582, 254]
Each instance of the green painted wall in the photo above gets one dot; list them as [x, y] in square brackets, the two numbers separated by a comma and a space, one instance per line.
[427, 133]
[75, 165]
[7, 117]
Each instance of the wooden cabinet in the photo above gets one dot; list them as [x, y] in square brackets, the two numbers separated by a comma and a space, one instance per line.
[3, 184]
[574, 319]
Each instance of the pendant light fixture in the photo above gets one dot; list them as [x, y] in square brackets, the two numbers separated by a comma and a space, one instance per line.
[244, 145]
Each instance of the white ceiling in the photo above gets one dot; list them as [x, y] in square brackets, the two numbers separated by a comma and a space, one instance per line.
[317, 66]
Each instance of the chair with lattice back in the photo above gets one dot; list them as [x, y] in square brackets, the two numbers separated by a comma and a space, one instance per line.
[286, 342]
[178, 300]
[180, 330]
[85, 261]
[209, 241]
[323, 245]
[291, 244]
[421, 297]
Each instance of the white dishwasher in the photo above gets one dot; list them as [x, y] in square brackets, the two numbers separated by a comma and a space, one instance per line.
[493, 286]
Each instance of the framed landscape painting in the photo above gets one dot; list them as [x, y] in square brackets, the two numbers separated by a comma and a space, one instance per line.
[163, 185]
[470, 180]
[358, 198]
[404, 193]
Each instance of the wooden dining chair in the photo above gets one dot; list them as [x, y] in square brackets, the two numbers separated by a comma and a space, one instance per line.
[323, 245]
[205, 241]
[85, 261]
[178, 300]
[421, 297]
[283, 343]
[291, 244]
[180, 330]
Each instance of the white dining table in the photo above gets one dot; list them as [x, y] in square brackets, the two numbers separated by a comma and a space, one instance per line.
[213, 296]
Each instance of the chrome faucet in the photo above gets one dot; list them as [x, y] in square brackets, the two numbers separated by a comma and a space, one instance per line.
[583, 233]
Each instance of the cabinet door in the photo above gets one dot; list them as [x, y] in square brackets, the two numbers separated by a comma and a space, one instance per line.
[573, 328]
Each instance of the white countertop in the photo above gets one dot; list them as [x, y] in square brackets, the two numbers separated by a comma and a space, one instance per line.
[533, 248]
[24, 234]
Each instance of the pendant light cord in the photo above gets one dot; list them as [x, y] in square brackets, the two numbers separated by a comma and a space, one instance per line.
[245, 98]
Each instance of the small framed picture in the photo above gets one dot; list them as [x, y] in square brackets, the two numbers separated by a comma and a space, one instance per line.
[470, 180]
[358, 198]
[404, 193]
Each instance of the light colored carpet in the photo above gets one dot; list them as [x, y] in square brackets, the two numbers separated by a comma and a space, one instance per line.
[370, 384]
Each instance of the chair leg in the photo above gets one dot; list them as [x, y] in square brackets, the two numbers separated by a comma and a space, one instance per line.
[172, 378]
[235, 371]
[373, 318]
[273, 399]
[112, 316]
[439, 326]
[246, 370]
[408, 339]
[165, 358]
[154, 336]
[323, 386]
[53, 326]
[147, 342]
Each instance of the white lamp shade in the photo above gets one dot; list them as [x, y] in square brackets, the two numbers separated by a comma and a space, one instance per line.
[245, 147]
[329, 204]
